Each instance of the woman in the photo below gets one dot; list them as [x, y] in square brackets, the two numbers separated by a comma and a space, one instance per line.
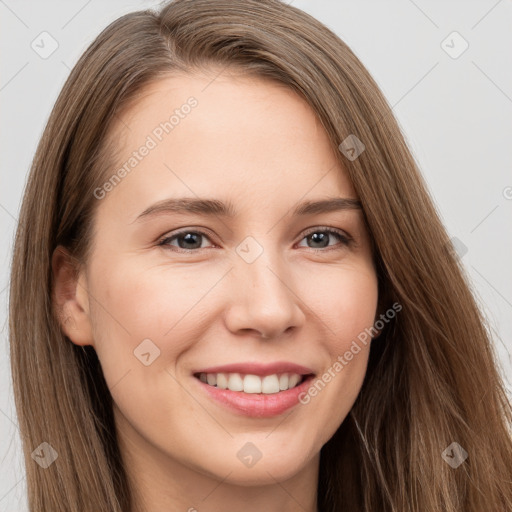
[266, 368]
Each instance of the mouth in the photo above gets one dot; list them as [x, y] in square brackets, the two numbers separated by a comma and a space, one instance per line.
[253, 384]
[255, 390]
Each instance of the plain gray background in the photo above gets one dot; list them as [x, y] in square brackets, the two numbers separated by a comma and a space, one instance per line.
[456, 114]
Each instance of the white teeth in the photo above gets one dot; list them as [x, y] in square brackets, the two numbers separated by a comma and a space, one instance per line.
[267, 385]
[235, 382]
[252, 384]
[270, 384]
[222, 381]
[293, 380]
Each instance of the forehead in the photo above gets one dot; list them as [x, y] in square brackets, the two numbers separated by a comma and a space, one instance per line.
[247, 138]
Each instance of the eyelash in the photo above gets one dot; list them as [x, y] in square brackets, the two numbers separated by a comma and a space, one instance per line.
[345, 240]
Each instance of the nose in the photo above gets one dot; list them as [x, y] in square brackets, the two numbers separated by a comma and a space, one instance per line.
[264, 298]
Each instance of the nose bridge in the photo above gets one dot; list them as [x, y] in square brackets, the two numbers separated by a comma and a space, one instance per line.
[264, 298]
[261, 264]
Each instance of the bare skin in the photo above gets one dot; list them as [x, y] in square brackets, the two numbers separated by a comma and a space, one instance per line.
[259, 146]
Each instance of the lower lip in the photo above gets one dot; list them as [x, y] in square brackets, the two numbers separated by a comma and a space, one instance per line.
[256, 404]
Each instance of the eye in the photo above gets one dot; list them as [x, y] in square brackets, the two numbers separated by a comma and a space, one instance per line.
[320, 238]
[187, 240]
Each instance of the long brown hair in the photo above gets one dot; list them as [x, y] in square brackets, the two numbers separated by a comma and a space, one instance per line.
[432, 376]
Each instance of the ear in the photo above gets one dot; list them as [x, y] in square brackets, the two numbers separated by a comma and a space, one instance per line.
[70, 298]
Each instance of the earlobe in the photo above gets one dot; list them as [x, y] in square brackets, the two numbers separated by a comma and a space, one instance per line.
[70, 299]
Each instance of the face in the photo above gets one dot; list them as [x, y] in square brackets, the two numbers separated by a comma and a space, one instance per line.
[259, 301]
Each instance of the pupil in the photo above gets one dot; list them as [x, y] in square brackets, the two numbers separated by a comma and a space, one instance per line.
[189, 238]
[322, 236]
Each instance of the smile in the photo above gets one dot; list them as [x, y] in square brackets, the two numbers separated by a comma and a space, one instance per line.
[254, 389]
[252, 384]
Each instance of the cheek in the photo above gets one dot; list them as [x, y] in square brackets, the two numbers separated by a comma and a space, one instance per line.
[145, 320]
[141, 325]
[347, 307]
[345, 300]
[133, 303]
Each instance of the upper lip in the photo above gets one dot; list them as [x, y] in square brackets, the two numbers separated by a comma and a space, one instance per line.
[261, 369]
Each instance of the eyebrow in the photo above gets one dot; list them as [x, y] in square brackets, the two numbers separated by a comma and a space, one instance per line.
[210, 207]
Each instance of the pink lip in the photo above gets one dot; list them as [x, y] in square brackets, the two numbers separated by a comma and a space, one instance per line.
[256, 405]
[252, 368]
